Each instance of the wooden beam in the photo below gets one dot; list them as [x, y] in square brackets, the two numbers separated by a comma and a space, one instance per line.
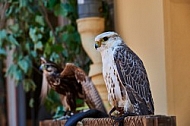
[148, 120]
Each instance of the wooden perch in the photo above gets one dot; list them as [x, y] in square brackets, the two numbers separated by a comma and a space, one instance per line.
[149, 120]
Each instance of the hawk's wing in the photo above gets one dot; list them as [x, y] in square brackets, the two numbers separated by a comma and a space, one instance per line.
[91, 95]
[134, 77]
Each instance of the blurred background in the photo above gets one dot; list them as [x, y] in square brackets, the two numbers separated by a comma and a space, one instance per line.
[158, 31]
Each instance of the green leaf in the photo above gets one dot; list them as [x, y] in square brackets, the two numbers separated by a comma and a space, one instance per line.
[55, 57]
[57, 48]
[9, 11]
[31, 102]
[14, 28]
[76, 36]
[52, 3]
[18, 75]
[40, 20]
[42, 29]
[27, 46]
[11, 70]
[12, 40]
[38, 45]
[24, 65]
[32, 34]
[23, 3]
[65, 37]
[47, 49]
[65, 53]
[14, 72]
[34, 54]
[3, 36]
[39, 36]
[60, 10]
[29, 85]
[69, 28]
[77, 50]
[3, 52]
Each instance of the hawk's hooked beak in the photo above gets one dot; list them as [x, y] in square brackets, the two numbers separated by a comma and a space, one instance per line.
[42, 67]
[97, 44]
[43, 60]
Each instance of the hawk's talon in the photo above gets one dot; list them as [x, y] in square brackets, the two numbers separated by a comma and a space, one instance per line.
[120, 119]
[111, 111]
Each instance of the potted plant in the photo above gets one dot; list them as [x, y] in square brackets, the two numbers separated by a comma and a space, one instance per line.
[29, 32]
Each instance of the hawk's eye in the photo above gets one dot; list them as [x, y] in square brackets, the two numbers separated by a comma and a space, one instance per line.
[48, 68]
[105, 38]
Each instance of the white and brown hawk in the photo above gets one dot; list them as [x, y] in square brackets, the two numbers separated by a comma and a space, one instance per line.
[125, 76]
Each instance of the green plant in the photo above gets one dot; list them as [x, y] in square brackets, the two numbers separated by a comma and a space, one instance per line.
[29, 34]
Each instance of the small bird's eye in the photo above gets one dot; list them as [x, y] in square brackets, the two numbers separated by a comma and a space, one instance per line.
[105, 38]
[48, 68]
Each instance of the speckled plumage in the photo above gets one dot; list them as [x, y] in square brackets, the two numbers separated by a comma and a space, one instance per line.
[125, 76]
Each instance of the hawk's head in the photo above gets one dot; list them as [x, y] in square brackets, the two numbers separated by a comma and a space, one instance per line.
[49, 68]
[51, 72]
[107, 40]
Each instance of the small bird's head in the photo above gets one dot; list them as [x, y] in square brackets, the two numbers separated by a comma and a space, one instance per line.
[49, 68]
[50, 73]
[106, 40]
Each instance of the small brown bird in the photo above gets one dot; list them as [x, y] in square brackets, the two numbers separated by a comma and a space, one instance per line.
[71, 83]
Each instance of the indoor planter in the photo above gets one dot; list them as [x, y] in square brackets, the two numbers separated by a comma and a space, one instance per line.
[90, 24]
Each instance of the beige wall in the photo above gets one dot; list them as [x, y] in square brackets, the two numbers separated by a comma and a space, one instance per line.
[140, 24]
[159, 32]
[177, 29]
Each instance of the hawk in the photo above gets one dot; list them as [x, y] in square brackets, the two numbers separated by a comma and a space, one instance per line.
[71, 82]
[125, 76]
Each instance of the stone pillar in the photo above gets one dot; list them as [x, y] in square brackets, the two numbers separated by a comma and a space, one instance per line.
[89, 28]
